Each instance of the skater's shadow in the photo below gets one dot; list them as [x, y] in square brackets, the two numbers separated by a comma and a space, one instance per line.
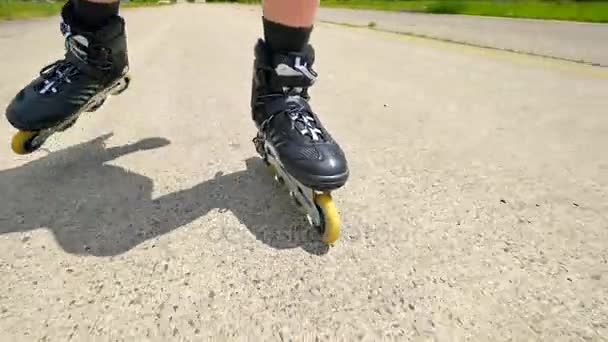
[99, 209]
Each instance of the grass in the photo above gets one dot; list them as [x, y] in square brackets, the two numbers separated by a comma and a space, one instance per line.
[589, 11]
[19, 9]
[571, 10]
[22, 9]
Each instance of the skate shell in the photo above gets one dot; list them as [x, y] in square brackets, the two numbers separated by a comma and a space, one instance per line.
[26, 142]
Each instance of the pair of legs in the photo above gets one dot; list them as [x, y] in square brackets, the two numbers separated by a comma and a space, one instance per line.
[291, 13]
[96, 62]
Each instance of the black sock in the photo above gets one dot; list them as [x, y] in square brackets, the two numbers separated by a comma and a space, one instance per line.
[91, 15]
[282, 38]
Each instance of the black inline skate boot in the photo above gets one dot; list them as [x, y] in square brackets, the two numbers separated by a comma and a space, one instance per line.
[94, 66]
[291, 138]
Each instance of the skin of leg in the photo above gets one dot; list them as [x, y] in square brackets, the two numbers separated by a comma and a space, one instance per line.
[293, 13]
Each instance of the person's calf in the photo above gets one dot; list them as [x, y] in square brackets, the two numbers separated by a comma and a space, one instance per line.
[284, 58]
[293, 13]
[288, 24]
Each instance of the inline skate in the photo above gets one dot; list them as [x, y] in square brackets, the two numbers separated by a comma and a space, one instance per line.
[291, 139]
[94, 66]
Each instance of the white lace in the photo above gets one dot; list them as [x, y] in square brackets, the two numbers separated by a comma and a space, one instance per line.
[310, 128]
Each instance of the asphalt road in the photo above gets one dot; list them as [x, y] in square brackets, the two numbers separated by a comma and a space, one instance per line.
[572, 41]
[476, 210]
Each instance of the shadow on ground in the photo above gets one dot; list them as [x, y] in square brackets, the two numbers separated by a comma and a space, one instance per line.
[94, 208]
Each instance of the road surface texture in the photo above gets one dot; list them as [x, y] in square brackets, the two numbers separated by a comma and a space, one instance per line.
[477, 208]
[558, 39]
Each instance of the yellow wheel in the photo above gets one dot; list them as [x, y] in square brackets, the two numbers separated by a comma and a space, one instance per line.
[22, 142]
[330, 218]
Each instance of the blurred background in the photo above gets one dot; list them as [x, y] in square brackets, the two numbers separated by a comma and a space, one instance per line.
[572, 10]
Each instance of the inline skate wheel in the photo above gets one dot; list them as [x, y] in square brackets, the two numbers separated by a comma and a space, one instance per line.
[330, 218]
[22, 142]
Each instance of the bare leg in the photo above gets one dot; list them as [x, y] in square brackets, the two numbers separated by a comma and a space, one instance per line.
[294, 13]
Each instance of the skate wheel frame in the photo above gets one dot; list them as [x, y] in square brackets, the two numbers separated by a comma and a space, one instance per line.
[320, 208]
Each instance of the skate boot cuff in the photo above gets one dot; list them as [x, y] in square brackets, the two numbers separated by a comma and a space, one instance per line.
[89, 50]
[85, 20]
[284, 71]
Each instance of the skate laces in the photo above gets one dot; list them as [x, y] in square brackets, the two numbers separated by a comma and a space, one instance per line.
[56, 74]
[304, 122]
[297, 75]
[301, 118]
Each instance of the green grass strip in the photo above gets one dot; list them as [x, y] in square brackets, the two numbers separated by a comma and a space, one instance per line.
[20, 9]
[589, 11]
